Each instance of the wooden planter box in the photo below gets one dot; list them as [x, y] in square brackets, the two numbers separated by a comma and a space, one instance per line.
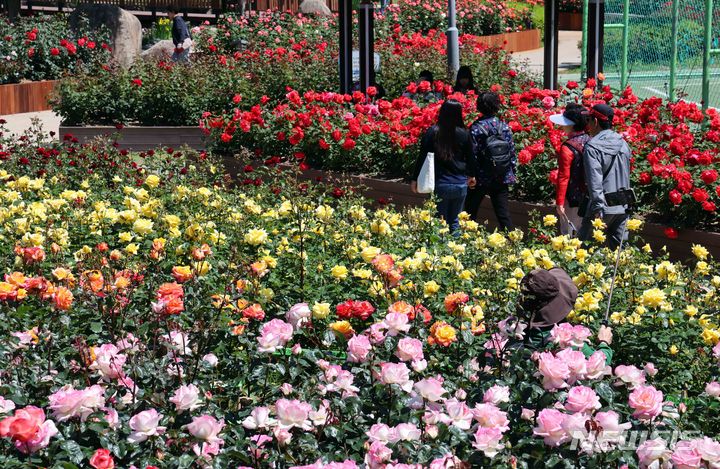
[514, 42]
[32, 96]
[141, 138]
[398, 192]
[570, 21]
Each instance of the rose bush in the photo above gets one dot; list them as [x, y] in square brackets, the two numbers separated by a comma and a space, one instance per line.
[45, 48]
[155, 315]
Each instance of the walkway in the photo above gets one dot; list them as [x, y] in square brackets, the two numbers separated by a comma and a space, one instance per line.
[18, 123]
[568, 55]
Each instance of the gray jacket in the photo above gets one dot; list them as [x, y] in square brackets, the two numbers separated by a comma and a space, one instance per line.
[598, 158]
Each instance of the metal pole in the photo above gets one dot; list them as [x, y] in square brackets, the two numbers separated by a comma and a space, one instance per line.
[584, 51]
[673, 53]
[707, 54]
[596, 32]
[550, 61]
[345, 25]
[367, 41]
[625, 41]
[453, 47]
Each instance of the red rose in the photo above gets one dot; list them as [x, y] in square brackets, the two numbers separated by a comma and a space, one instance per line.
[225, 137]
[645, 178]
[709, 206]
[363, 309]
[424, 86]
[348, 144]
[512, 73]
[675, 197]
[137, 81]
[91, 45]
[345, 310]
[571, 85]
[371, 91]
[55, 51]
[236, 99]
[700, 195]
[671, 233]
[102, 459]
[323, 144]
[31, 52]
[709, 176]
[591, 83]
[524, 157]
[336, 135]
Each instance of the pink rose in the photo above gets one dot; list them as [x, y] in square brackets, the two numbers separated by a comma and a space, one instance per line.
[206, 427]
[575, 360]
[650, 369]
[488, 415]
[652, 453]
[548, 102]
[430, 389]
[713, 389]
[273, 335]
[358, 349]
[144, 425]
[6, 406]
[596, 366]
[567, 335]
[554, 371]
[396, 323]
[409, 349]
[631, 376]
[647, 402]
[487, 440]
[259, 418]
[67, 403]
[574, 426]
[293, 413]
[550, 427]
[527, 414]
[407, 432]
[186, 397]
[716, 351]
[286, 389]
[376, 333]
[298, 315]
[211, 359]
[685, 456]
[382, 433]
[446, 462]
[396, 373]
[709, 450]
[496, 394]
[377, 454]
[108, 361]
[582, 399]
[457, 414]
[282, 435]
[111, 417]
[613, 432]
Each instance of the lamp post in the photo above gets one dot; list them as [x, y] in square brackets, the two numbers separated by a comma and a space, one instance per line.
[345, 25]
[550, 62]
[453, 47]
[366, 14]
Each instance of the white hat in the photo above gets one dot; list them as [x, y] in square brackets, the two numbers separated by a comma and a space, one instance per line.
[560, 119]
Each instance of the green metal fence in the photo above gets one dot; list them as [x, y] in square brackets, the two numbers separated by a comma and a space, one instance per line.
[666, 48]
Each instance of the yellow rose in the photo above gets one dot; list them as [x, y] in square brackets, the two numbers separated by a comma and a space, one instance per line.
[550, 220]
[342, 327]
[256, 236]
[702, 268]
[362, 273]
[691, 310]
[710, 336]
[634, 224]
[125, 237]
[152, 181]
[700, 252]
[321, 310]
[132, 248]
[673, 350]
[143, 226]
[599, 224]
[324, 212]
[369, 253]
[496, 240]
[431, 288]
[653, 297]
[340, 272]
[599, 236]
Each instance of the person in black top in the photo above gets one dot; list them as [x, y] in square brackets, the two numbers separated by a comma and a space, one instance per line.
[180, 36]
[464, 82]
[455, 165]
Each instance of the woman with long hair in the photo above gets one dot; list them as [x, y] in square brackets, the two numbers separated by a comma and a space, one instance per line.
[464, 82]
[455, 165]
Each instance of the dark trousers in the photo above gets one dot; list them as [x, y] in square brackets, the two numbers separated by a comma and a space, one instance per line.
[451, 198]
[499, 193]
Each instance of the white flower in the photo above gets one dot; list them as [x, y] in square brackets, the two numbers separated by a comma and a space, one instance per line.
[144, 425]
[186, 398]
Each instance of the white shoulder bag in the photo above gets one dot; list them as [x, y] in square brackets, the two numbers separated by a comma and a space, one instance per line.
[426, 179]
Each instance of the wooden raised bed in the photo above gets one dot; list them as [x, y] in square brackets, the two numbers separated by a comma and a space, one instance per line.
[514, 42]
[32, 96]
[141, 138]
[398, 193]
[570, 21]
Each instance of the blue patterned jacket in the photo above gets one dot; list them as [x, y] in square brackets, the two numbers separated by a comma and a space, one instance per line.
[491, 125]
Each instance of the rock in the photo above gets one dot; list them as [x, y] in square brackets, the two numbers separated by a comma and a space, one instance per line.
[161, 50]
[125, 29]
[315, 7]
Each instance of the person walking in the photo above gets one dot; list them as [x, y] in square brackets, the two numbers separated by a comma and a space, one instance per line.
[496, 161]
[454, 162]
[180, 36]
[606, 162]
[570, 187]
[464, 82]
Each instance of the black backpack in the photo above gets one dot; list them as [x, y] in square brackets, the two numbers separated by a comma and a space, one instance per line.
[577, 188]
[498, 153]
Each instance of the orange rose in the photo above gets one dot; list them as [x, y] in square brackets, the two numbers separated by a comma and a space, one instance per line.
[259, 268]
[16, 278]
[402, 307]
[455, 300]
[182, 273]
[342, 327]
[122, 282]
[383, 263]
[170, 290]
[442, 333]
[62, 298]
[254, 311]
[174, 306]
[7, 291]
[95, 280]
[587, 92]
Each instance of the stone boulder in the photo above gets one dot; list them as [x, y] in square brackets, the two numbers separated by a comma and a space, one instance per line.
[125, 29]
[315, 7]
[161, 50]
